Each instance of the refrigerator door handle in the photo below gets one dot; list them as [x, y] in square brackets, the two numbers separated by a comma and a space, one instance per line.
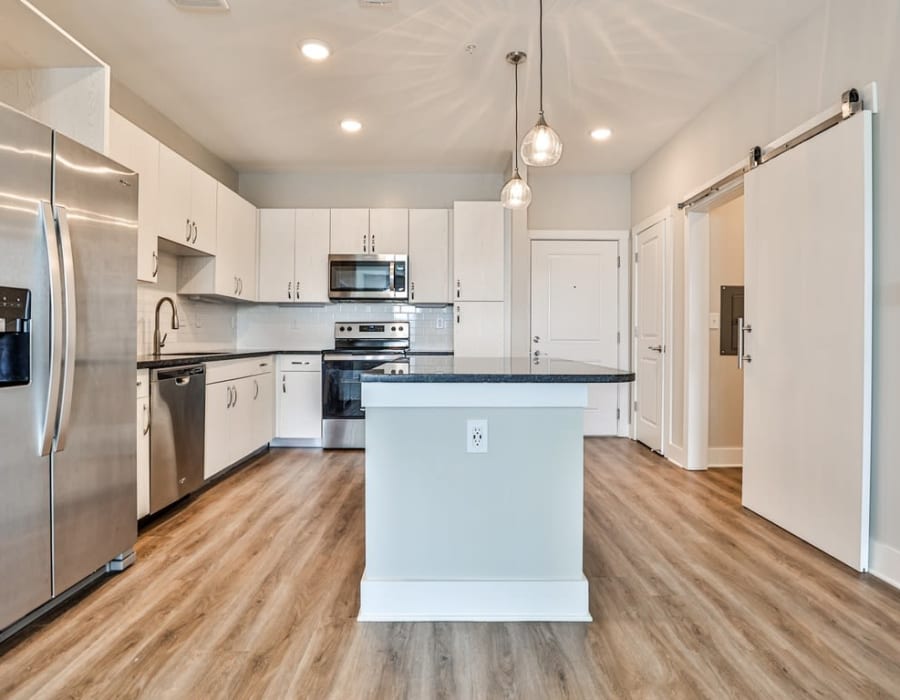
[71, 324]
[56, 330]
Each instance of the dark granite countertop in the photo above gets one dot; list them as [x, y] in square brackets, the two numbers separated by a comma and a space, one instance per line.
[180, 360]
[476, 370]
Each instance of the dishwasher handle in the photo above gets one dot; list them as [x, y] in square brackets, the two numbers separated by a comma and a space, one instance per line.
[181, 375]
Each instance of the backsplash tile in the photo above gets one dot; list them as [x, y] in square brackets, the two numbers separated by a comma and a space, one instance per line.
[203, 325]
[211, 325]
[312, 327]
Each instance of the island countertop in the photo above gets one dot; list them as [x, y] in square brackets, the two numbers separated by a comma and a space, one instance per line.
[521, 369]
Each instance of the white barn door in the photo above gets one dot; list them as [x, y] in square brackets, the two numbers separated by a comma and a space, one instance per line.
[807, 405]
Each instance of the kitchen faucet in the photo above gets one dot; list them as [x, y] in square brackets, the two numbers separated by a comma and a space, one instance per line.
[159, 343]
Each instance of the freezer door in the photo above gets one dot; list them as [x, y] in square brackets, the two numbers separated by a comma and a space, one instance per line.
[94, 459]
[25, 158]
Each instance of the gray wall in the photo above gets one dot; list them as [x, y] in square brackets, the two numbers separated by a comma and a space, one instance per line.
[133, 108]
[367, 190]
[849, 43]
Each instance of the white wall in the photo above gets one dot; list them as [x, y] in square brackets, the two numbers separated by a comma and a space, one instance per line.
[849, 43]
[579, 202]
[367, 190]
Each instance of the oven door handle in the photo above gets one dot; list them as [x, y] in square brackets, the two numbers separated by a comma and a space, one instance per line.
[348, 357]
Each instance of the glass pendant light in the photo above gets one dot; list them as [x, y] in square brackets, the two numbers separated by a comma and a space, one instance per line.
[541, 146]
[516, 193]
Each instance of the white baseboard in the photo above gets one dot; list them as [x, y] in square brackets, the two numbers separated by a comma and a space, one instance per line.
[385, 600]
[884, 563]
[725, 457]
[296, 442]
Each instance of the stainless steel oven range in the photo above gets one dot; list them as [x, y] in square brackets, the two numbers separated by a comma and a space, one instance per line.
[357, 347]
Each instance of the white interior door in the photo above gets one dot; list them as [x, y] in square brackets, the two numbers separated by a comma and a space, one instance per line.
[807, 389]
[649, 270]
[575, 315]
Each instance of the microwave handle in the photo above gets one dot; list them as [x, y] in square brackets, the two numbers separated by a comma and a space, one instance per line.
[391, 274]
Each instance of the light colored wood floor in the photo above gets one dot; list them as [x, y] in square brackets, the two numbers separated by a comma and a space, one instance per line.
[251, 591]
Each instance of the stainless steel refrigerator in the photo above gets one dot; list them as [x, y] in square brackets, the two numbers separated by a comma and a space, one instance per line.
[68, 247]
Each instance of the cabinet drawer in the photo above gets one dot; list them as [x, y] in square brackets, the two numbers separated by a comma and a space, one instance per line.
[229, 370]
[143, 383]
[299, 363]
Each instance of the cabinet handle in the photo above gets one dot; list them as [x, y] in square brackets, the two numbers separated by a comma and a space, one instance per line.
[412, 290]
[458, 313]
[283, 383]
[146, 419]
[155, 264]
[290, 284]
[187, 230]
[256, 385]
[196, 232]
[240, 285]
[234, 388]
[373, 243]
[228, 403]
[297, 290]
[457, 289]
[364, 242]
[235, 285]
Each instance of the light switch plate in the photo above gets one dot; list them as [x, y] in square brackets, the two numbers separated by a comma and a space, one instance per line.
[715, 321]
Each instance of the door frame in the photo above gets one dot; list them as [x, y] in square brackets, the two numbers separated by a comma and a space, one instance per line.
[623, 239]
[672, 451]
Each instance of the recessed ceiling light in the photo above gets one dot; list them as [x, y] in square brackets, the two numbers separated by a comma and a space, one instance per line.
[601, 134]
[351, 126]
[315, 50]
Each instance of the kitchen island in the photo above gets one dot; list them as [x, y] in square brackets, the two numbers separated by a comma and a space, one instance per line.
[474, 489]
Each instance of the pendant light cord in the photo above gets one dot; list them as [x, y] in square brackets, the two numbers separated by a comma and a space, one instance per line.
[541, 56]
[516, 144]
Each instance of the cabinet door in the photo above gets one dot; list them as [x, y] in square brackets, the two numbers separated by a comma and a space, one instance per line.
[263, 409]
[174, 196]
[478, 251]
[203, 210]
[241, 419]
[300, 405]
[276, 255]
[217, 445]
[135, 148]
[350, 231]
[245, 245]
[226, 278]
[313, 230]
[143, 457]
[389, 231]
[429, 256]
[478, 329]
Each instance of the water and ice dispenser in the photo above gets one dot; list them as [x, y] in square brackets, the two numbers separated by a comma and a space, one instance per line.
[15, 336]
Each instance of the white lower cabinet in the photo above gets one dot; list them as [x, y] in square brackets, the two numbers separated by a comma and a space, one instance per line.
[143, 443]
[478, 329]
[299, 390]
[239, 408]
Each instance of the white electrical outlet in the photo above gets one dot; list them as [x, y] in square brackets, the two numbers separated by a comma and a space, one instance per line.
[476, 435]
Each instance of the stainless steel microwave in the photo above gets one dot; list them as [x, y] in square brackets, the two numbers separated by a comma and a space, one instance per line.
[368, 277]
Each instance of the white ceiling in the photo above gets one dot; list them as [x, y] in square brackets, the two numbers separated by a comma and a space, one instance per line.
[238, 84]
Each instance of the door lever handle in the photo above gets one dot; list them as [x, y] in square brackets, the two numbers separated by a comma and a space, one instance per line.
[656, 348]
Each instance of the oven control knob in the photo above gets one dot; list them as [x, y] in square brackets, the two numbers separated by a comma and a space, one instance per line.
[342, 328]
[401, 328]
[393, 328]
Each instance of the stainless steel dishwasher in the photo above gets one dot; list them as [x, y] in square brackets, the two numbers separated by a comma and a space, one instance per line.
[177, 433]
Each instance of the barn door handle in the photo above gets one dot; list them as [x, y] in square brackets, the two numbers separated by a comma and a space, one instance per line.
[743, 328]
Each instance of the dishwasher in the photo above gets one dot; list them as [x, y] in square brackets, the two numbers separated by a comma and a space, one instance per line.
[177, 433]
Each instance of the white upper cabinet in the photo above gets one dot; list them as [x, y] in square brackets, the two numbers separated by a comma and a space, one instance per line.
[174, 197]
[187, 203]
[203, 210]
[312, 228]
[136, 149]
[232, 272]
[293, 255]
[429, 256]
[388, 231]
[478, 251]
[276, 255]
[350, 231]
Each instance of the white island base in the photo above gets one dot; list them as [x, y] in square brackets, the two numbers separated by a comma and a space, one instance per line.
[453, 535]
